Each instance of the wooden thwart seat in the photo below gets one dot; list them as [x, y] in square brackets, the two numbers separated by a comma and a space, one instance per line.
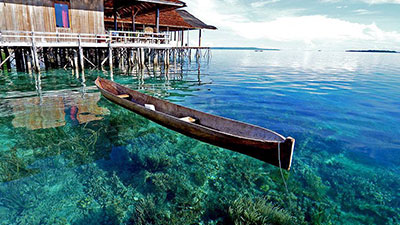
[188, 119]
[123, 96]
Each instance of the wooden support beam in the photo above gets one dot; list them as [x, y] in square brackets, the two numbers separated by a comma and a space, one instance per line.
[157, 20]
[182, 38]
[200, 38]
[7, 57]
[89, 62]
[115, 20]
[104, 61]
[5, 60]
[188, 42]
[133, 19]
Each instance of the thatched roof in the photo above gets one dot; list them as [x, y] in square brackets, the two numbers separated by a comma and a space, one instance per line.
[173, 19]
[124, 7]
[193, 21]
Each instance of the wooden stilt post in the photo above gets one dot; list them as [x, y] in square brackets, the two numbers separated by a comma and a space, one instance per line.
[17, 55]
[59, 63]
[131, 58]
[1, 57]
[6, 60]
[76, 65]
[97, 57]
[122, 59]
[46, 58]
[36, 64]
[21, 59]
[167, 58]
[149, 57]
[82, 62]
[175, 56]
[142, 62]
[155, 60]
[71, 61]
[29, 62]
[110, 52]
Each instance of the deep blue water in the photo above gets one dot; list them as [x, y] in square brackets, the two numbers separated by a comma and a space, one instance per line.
[68, 156]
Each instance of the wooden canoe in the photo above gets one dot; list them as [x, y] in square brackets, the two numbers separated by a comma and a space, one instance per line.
[254, 141]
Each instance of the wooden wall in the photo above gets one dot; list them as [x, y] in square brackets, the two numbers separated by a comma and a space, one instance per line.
[86, 16]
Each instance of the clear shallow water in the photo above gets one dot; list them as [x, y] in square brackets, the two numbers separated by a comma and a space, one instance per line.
[68, 156]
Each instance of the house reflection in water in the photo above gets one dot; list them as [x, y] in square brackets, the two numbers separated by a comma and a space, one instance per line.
[49, 112]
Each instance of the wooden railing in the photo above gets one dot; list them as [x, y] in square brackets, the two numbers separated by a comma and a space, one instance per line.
[113, 37]
[139, 37]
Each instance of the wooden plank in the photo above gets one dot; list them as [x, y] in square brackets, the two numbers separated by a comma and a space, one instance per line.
[39, 15]
[2, 21]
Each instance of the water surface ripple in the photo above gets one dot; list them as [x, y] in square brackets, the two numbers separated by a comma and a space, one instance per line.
[68, 156]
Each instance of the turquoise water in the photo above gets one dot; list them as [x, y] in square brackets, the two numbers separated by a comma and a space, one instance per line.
[68, 156]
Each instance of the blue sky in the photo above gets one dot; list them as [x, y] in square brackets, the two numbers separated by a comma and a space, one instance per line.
[300, 24]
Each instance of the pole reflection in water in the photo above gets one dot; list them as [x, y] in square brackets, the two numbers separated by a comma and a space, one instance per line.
[198, 73]
[83, 83]
[111, 75]
[50, 109]
[38, 85]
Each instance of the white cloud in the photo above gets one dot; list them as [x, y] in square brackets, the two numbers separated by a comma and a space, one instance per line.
[263, 3]
[363, 12]
[372, 2]
[309, 30]
[331, 1]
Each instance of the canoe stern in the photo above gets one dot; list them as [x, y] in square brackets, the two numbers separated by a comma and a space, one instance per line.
[287, 148]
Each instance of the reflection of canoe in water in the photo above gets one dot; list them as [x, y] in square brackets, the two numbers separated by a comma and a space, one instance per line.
[248, 139]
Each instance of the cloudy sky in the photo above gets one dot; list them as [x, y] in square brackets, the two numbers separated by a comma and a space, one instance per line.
[300, 24]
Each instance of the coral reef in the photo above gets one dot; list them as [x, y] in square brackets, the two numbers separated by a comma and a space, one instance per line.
[125, 169]
[258, 211]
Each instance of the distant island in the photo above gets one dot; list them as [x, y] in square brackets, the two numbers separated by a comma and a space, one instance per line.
[373, 51]
[245, 48]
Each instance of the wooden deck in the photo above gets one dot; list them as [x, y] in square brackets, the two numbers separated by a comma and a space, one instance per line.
[39, 50]
[113, 39]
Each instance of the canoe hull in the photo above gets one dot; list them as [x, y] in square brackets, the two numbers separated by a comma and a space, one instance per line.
[266, 151]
